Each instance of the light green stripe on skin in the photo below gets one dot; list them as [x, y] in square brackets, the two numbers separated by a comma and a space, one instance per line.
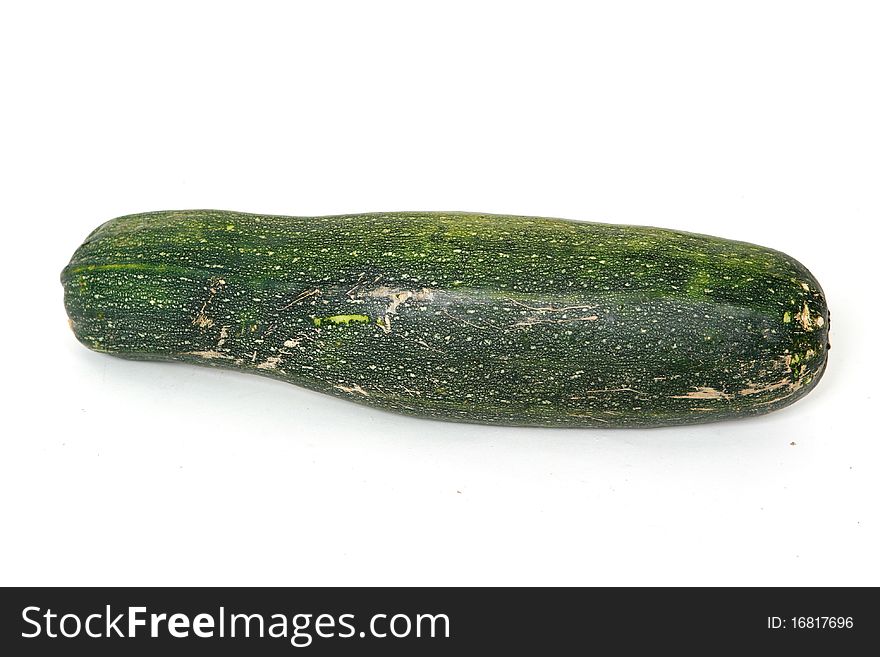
[340, 319]
[121, 266]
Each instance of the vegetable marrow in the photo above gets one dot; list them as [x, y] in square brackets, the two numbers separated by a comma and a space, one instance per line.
[455, 316]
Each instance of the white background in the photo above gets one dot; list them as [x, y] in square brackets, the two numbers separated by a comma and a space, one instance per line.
[757, 121]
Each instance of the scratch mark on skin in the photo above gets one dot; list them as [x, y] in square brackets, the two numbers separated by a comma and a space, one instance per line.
[756, 389]
[589, 417]
[532, 322]
[550, 309]
[352, 389]
[624, 389]
[316, 345]
[360, 280]
[586, 393]
[795, 387]
[463, 321]
[207, 355]
[430, 347]
[703, 392]
[421, 342]
[302, 297]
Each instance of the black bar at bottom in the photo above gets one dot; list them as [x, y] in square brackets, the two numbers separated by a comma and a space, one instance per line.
[430, 621]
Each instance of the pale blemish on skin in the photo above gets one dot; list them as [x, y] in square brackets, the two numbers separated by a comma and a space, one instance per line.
[794, 379]
[791, 386]
[201, 319]
[224, 333]
[384, 323]
[270, 363]
[807, 321]
[703, 392]
[396, 299]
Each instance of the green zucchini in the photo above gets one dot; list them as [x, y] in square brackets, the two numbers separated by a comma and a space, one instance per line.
[466, 317]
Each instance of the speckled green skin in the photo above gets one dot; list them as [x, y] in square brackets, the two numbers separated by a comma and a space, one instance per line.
[465, 317]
